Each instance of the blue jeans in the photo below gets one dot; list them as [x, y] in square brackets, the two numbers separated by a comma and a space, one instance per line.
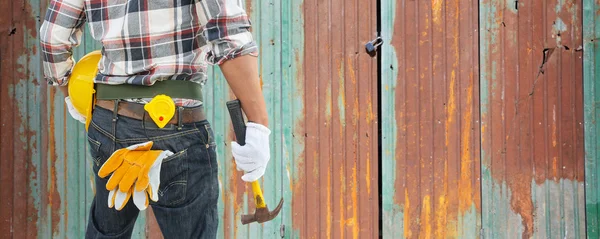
[188, 192]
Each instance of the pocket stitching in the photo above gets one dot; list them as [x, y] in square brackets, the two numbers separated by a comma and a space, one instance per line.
[96, 147]
[177, 155]
[182, 183]
[95, 142]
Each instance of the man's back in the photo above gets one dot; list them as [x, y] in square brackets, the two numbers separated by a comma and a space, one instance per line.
[145, 41]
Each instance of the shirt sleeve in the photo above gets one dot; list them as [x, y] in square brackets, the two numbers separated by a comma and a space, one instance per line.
[59, 34]
[227, 30]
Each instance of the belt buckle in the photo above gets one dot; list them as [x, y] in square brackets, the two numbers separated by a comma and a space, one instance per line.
[161, 109]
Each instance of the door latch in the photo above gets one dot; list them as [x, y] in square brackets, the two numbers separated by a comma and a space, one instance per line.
[373, 46]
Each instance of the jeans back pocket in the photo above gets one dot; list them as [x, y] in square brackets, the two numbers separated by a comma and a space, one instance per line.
[173, 179]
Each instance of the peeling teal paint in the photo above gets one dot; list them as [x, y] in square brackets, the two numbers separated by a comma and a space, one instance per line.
[557, 207]
[393, 221]
[559, 5]
[498, 222]
[591, 76]
[292, 67]
[393, 216]
[562, 200]
[466, 220]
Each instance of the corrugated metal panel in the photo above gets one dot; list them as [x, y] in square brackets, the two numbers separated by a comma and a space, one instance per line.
[591, 87]
[305, 140]
[46, 179]
[337, 181]
[430, 119]
[324, 152]
[532, 119]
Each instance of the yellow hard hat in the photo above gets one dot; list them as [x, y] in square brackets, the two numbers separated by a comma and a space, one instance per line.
[81, 84]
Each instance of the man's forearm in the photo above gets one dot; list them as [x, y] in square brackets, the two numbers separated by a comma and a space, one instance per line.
[242, 75]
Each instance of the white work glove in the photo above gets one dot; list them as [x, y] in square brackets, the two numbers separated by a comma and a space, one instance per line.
[73, 112]
[255, 154]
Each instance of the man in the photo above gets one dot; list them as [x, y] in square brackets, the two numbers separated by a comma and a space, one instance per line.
[146, 43]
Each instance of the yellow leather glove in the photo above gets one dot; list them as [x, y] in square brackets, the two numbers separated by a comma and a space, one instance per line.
[118, 199]
[146, 188]
[120, 162]
[128, 166]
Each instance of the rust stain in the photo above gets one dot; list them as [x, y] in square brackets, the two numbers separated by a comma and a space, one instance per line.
[53, 195]
[426, 217]
[436, 7]
[298, 201]
[451, 106]
[440, 213]
[65, 169]
[328, 218]
[368, 145]
[554, 127]
[466, 164]
[342, 206]
[354, 218]
[554, 174]
[407, 230]
[369, 113]
[368, 173]
[351, 72]
[234, 199]
[520, 201]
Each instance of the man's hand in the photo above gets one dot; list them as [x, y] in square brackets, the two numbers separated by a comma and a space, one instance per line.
[255, 154]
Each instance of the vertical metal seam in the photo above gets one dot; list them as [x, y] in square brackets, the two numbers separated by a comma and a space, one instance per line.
[418, 106]
[504, 130]
[446, 112]
[432, 123]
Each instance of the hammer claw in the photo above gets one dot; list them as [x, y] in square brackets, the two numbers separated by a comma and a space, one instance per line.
[262, 214]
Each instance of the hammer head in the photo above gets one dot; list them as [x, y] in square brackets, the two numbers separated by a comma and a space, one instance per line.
[262, 214]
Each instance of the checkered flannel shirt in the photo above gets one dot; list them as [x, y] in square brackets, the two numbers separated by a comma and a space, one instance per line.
[146, 40]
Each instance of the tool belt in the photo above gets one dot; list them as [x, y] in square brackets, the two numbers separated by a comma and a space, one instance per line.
[109, 96]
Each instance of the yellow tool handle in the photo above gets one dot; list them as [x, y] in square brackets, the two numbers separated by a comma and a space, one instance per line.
[258, 196]
[239, 128]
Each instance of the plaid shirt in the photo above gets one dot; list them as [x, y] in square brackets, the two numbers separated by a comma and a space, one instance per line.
[146, 41]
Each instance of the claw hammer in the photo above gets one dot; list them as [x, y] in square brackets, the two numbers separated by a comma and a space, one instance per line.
[261, 213]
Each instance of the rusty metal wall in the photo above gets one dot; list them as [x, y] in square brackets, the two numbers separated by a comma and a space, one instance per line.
[335, 192]
[430, 119]
[532, 119]
[321, 91]
[44, 170]
[444, 172]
